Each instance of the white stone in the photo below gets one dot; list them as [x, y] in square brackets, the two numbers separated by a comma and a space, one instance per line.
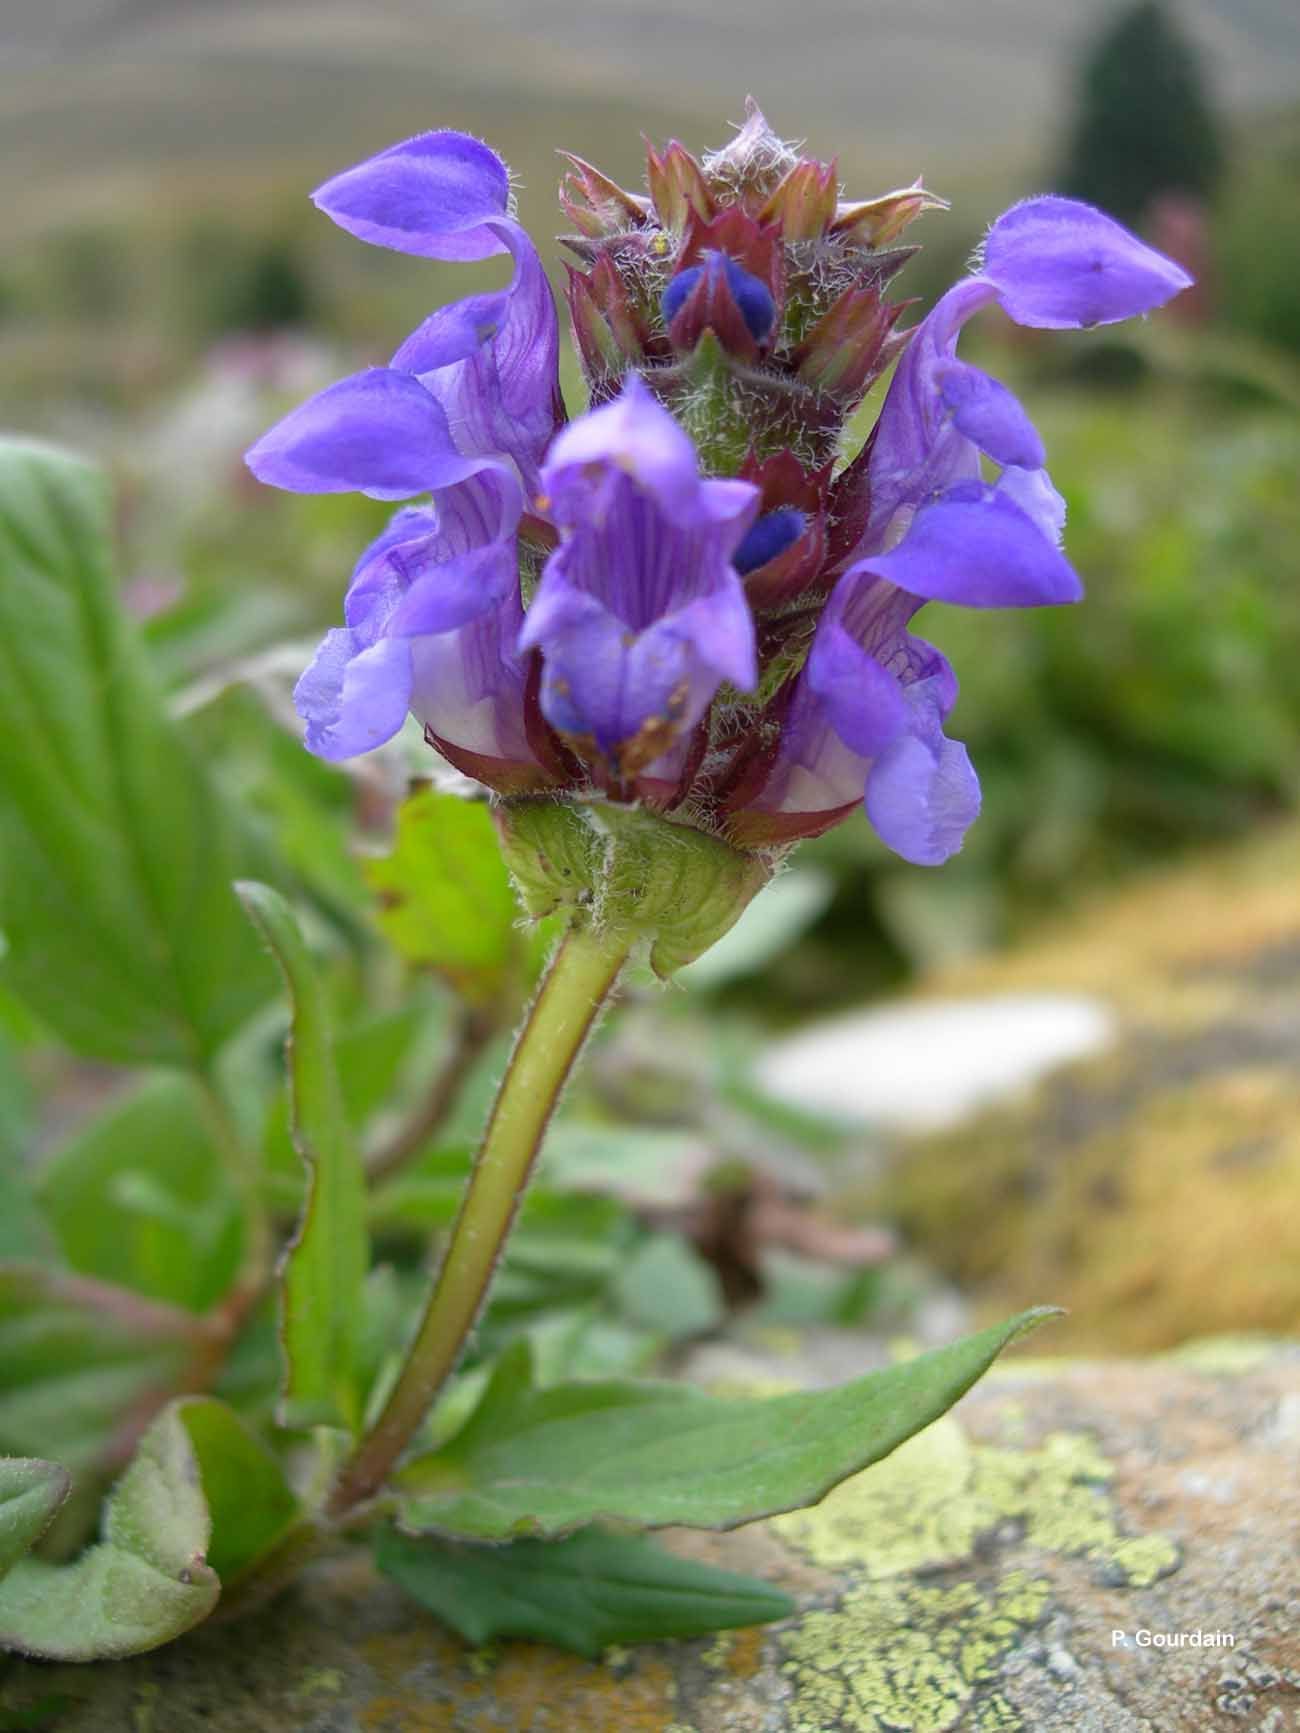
[925, 1067]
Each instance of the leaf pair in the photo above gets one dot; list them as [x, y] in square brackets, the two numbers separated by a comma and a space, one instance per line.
[542, 1462]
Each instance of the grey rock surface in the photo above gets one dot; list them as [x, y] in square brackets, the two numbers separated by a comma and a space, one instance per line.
[1099, 1547]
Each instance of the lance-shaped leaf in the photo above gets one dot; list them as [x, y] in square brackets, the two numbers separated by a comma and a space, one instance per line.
[116, 853]
[445, 896]
[543, 1461]
[325, 1268]
[583, 1593]
[142, 1584]
[30, 1493]
[371, 1058]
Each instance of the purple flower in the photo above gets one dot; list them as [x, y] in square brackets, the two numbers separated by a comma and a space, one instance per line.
[433, 614]
[640, 614]
[934, 527]
[463, 414]
[870, 705]
[490, 360]
[477, 384]
[668, 595]
[865, 723]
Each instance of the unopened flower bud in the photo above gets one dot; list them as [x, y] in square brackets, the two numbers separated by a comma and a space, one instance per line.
[718, 295]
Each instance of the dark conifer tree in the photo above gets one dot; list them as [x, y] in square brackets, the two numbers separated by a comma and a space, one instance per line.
[1144, 121]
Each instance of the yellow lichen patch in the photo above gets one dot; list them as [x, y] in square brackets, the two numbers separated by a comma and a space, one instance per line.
[928, 1504]
[912, 1511]
[902, 1658]
[328, 1681]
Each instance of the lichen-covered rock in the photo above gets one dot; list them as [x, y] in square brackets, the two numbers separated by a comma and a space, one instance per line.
[1152, 1189]
[1100, 1548]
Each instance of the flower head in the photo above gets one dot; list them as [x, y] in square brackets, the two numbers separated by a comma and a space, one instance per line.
[683, 597]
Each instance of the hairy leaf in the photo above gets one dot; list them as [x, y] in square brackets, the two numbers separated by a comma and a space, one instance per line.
[31, 1492]
[583, 1593]
[116, 855]
[543, 1461]
[326, 1265]
[142, 1584]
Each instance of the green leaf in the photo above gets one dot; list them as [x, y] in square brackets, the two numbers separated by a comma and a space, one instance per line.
[140, 1197]
[142, 1584]
[77, 1358]
[370, 1059]
[30, 1493]
[647, 1167]
[542, 1462]
[115, 853]
[583, 1593]
[446, 899]
[250, 1502]
[325, 1269]
[667, 1286]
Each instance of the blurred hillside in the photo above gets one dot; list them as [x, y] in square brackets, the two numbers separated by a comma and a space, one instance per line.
[107, 102]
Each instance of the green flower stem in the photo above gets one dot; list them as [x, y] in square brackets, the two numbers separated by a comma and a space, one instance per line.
[581, 976]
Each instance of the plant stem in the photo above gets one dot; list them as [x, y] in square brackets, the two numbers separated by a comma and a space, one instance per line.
[580, 978]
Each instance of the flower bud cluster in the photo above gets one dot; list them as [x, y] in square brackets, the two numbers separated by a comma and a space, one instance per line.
[743, 289]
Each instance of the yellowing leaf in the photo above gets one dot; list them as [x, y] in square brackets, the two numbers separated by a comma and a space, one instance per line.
[446, 899]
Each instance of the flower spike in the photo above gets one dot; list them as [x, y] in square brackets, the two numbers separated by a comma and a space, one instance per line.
[682, 597]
